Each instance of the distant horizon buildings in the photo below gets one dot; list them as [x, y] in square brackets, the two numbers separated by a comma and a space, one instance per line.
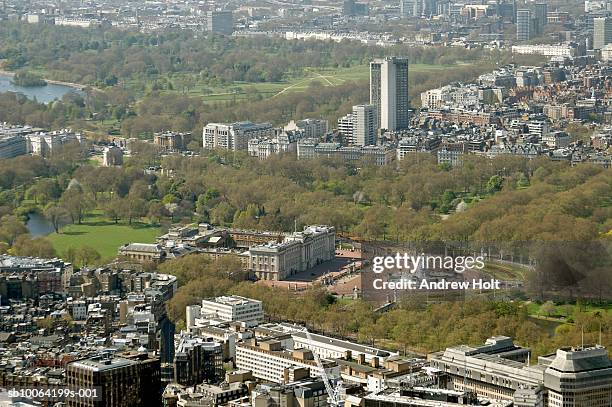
[389, 92]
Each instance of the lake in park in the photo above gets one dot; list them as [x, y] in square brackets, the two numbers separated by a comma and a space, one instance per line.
[38, 225]
[43, 94]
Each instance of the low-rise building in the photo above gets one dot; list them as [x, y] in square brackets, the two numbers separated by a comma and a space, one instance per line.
[375, 155]
[234, 136]
[171, 141]
[268, 360]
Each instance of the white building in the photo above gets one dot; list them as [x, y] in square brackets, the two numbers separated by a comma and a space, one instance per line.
[268, 360]
[450, 95]
[78, 310]
[606, 53]
[556, 139]
[364, 125]
[44, 144]
[331, 348]
[232, 308]
[285, 142]
[345, 127]
[308, 127]
[234, 136]
[299, 252]
[191, 313]
[559, 50]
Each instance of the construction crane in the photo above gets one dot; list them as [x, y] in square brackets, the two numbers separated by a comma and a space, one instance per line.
[333, 394]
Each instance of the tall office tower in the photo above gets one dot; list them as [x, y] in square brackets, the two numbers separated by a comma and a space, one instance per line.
[430, 7]
[348, 7]
[407, 8]
[364, 125]
[220, 22]
[524, 25]
[541, 14]
[602, 32]
[389, 92]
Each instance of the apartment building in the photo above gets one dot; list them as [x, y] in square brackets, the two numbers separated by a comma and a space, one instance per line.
[389, 92]
[299, 251]
[364, 125]
[285, 142]
[345, 128]
[234, 136]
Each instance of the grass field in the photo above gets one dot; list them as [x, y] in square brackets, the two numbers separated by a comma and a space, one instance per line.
[103, 235]
[321, 76]
[564, 311]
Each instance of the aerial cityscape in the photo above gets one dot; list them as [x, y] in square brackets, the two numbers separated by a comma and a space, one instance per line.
[305, 203]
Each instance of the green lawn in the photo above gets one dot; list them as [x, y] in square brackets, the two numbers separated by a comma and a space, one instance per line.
[566, 310]
[103, 235]
[290, 83]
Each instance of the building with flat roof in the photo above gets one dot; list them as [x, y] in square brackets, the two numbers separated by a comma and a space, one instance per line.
[389, 92]
[171, 141]
[375, 155]
[130, 380]
[331, 348]
[524, 25]
[573, 377]
[364, 125]
[197, 360]
[305, 392]
[220, 22]
[602, 32]
[308, 127]
[578, 377]
[269, 360]
[234, 136]
[232, 308]
[142, 252]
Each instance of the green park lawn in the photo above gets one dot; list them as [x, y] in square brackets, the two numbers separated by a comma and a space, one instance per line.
[290, 83]
[103, 235]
